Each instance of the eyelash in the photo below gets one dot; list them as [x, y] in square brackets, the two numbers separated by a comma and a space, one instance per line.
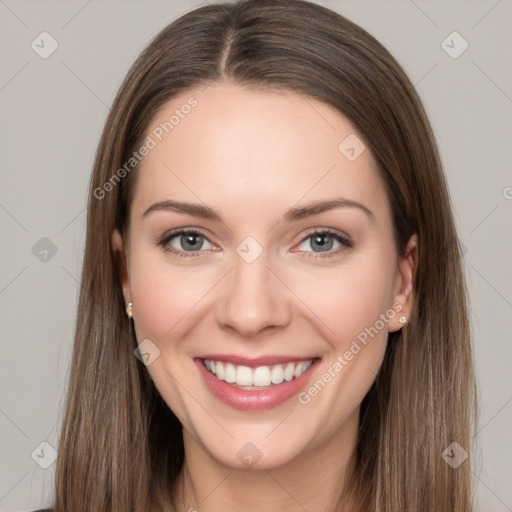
[164, 243]
[344, 240]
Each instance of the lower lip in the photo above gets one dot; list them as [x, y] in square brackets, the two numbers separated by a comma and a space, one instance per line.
[249, 400]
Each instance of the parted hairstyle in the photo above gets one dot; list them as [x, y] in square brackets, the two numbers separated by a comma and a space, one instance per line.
[121, 447]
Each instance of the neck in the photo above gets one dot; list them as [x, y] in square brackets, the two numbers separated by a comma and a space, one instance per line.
[312, 481]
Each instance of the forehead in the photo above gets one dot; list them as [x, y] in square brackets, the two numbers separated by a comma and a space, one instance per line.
[257, 149]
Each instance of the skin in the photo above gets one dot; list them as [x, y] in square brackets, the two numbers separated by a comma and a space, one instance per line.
[251, 156]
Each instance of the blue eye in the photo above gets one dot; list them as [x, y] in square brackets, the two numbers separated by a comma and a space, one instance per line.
[323, 242]
[188, 241]
[185, 241]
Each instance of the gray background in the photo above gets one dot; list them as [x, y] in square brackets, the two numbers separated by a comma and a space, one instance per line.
[52, 113]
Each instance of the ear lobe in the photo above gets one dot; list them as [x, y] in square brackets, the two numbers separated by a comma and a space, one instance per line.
[404, 285]
[122, 264]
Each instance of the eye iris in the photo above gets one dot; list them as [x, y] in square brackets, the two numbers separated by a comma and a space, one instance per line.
[322, 242]
[191, 241]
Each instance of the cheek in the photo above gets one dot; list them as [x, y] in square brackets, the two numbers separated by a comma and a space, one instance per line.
[348, 300]
[163, 295]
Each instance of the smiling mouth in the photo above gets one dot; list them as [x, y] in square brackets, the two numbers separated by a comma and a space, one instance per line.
[258, 378]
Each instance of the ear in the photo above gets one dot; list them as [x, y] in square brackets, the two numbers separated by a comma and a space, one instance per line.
[404, 284]
[122, 263]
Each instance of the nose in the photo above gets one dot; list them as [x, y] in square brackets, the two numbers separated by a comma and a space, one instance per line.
[252, 299]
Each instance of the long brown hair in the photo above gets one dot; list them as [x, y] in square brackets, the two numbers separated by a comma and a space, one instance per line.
[121, 446]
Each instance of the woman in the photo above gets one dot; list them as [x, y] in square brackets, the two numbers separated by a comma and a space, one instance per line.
[272, 311]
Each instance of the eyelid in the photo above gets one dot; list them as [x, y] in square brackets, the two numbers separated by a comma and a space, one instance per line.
[163, 241]
[341, 237]
[345, 241]
[185, 231]
[335, 233]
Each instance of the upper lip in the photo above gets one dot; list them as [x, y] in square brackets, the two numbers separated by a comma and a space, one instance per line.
[254, 362]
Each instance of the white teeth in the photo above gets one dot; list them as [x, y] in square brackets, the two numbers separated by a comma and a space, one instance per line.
[298, 370]
[304, 366]
[262, 376]
[289, 372]
[219, 371]
[277, 374]
[243, 376]
[230, 373]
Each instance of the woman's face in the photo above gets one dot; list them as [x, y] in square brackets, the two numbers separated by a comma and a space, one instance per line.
[287, 276]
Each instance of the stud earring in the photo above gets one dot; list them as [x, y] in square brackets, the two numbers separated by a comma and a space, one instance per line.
[402, 320]
[129, 310]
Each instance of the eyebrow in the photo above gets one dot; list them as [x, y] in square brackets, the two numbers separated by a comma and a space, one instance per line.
[293, 214]
[194, 209]
[317, 207]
